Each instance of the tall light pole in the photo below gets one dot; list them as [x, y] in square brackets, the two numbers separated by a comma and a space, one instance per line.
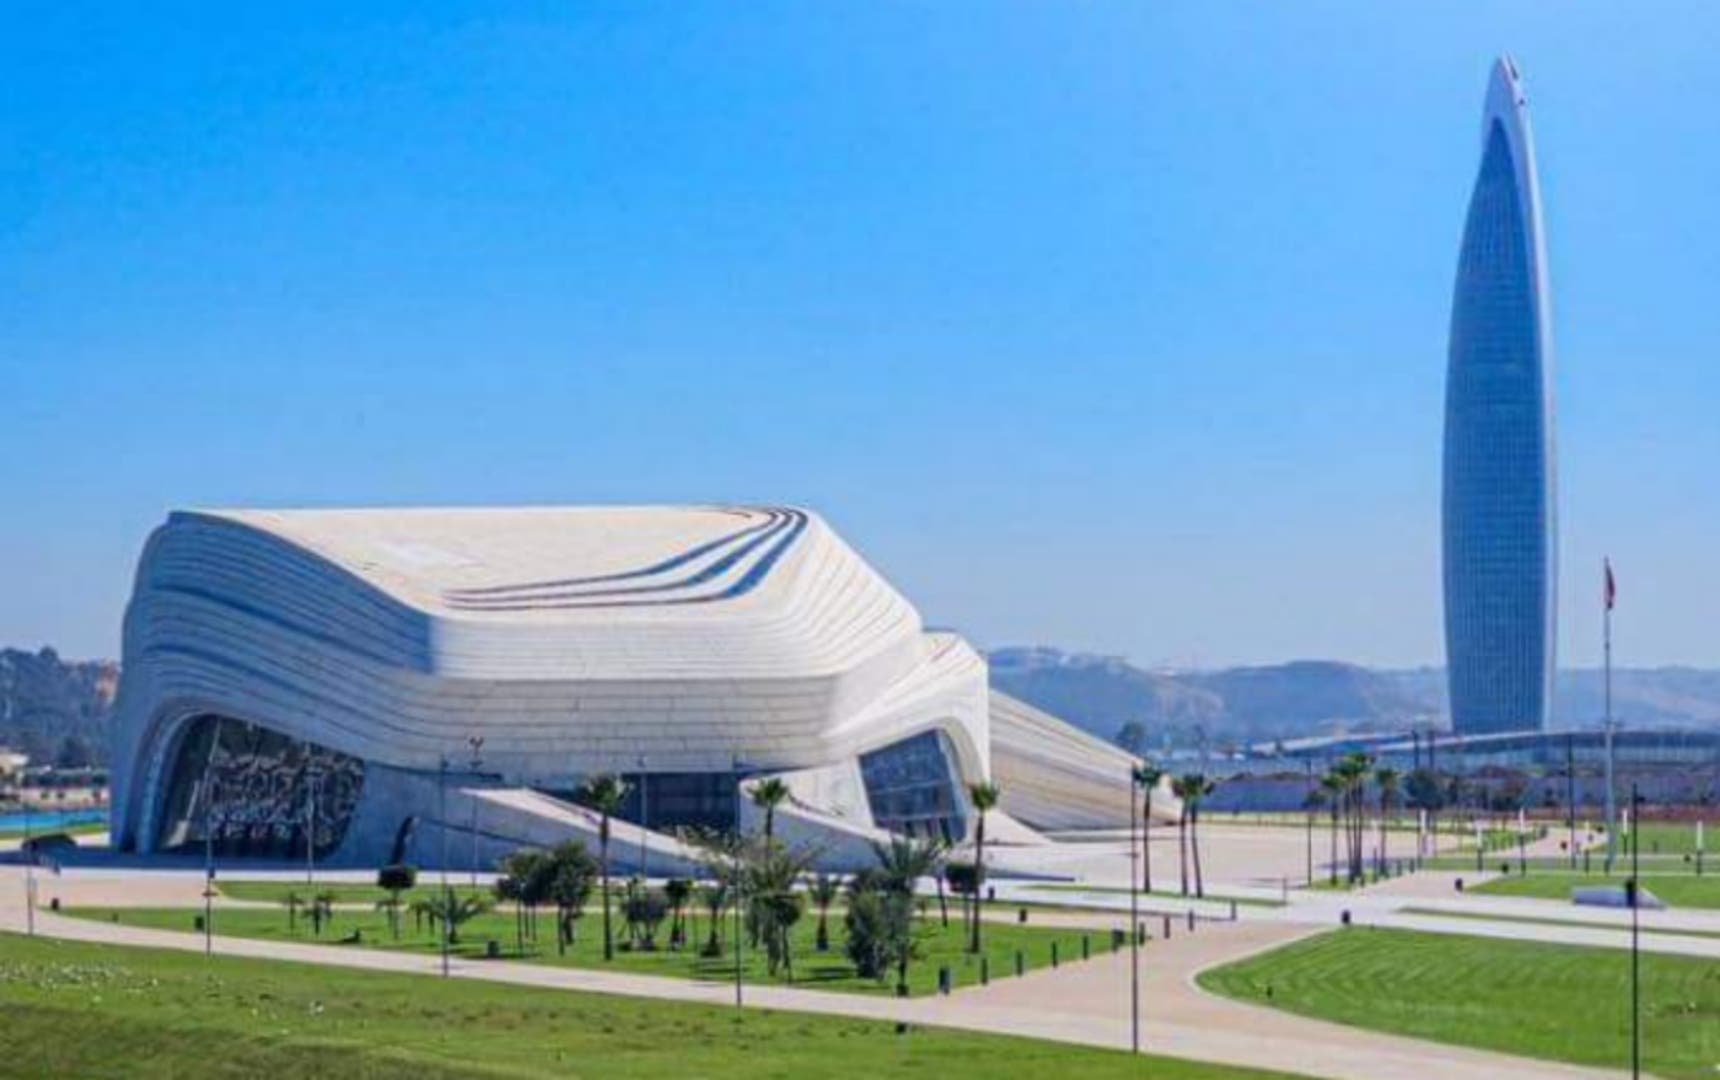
[1134, 914]
[447, 893]
[740, 878]
[476, 745]
[1307, 801]
[29, 862]
[1635, 935]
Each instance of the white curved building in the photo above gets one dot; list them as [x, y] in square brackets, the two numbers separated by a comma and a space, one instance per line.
[433, 684]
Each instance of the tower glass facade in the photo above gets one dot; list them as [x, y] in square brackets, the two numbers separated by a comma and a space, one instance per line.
[1500, 527]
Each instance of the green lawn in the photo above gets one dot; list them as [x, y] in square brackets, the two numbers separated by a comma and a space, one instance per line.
[75, 1009]
[1548, 1001]
[1671, 838]
[1678, 890]
[940, 946]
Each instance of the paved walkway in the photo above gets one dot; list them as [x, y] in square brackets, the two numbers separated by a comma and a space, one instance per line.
[1080, 1003]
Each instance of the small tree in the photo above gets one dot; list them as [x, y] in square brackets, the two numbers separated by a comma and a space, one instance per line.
[963, 879]
[823, 889]
[564, 879]
[292, 902]
[395, 879]
[677, 891]
[455, 911]
[645, 909]
[715, 898]
[322, 910]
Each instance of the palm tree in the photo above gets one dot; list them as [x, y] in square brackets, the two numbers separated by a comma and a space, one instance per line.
[1179, 788]
[1332, 787]
[901, 864]
[984, 797]
[394, 880]
[1148, 777]
[604, 793]
[767, 795]
[824, 888]
[678, 891]
[1387, 780]
[1196, 787]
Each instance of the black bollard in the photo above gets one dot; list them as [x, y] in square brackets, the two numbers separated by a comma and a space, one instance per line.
[985, 970]
[1086, 948]
[1020, 963]
[1053, 954]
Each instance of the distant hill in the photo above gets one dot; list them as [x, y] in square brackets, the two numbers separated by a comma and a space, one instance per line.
[1312, 697]
[54, 709]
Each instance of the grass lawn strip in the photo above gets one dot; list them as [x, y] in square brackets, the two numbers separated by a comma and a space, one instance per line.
[940, 946]
[1677, 890]
[1558, 1002]
[78, 1009]
[1548, 920]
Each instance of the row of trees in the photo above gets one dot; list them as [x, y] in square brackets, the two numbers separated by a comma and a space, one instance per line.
[1190, 789]
[1344, 790]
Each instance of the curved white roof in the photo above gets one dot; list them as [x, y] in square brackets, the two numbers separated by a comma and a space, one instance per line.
[547, 592]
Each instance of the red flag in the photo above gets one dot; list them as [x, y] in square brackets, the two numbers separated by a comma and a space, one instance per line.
[1611, 587]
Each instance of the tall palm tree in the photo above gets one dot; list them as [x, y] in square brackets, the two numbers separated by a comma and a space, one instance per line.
[1196, 787]
[767, 795]
[604, 793]
[1332, 787]
[1179, 788]
[984, 797]
[1148, 777]
[1386, 779]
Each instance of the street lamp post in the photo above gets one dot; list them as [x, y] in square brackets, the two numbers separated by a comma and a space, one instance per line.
[740, 879]
[644, 823]
[1635, 935]
[1134, 915]
[447, 893]
[29, 863]
[476, 745]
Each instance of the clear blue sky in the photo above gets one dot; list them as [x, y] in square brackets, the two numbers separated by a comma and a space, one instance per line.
[1115, 326]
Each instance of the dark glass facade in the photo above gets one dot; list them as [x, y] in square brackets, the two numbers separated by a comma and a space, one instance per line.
[913, 788]
[257, 791]
[1500, 553]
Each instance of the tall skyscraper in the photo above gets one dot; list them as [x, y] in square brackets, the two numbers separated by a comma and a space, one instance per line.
[1500, 507]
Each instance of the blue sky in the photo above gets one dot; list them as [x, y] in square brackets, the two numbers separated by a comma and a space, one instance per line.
[1115, 326]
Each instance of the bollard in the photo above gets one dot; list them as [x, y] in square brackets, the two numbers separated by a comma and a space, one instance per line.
[1191, 920]
[1020, 915]
[1141, 932]
[1167, 927]
[54, 902]
[944, 981]
[1345, 918]
[493, 949]
[1233, 911]
[1020, 964]
[1086, 948]
[1053, 954]
[1116, 940]
[985, 970]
